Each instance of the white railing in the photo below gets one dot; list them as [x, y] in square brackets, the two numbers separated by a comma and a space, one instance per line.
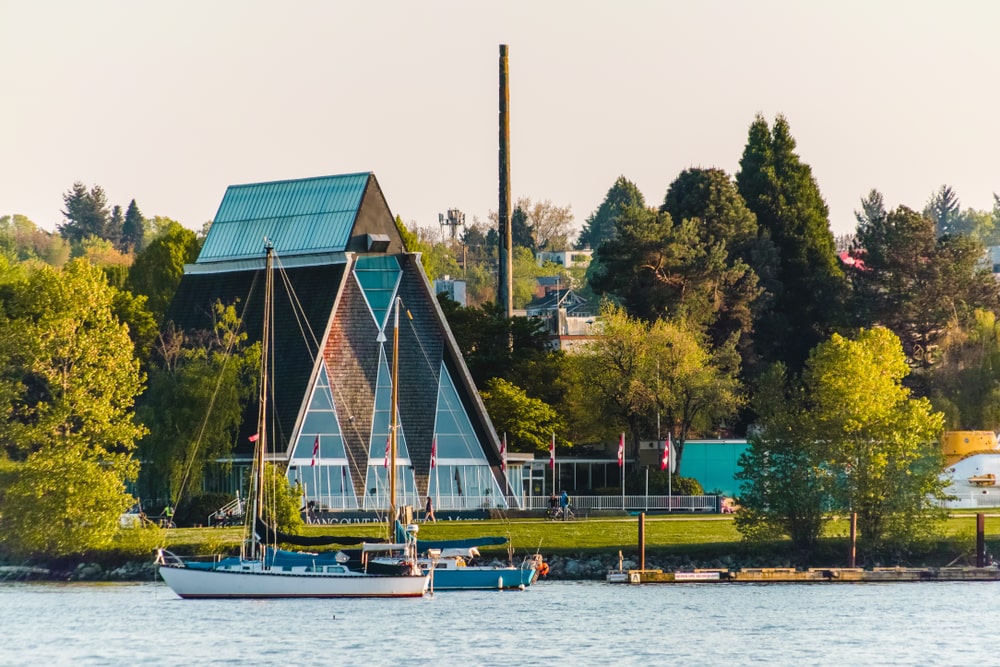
[972, 501]
[631, 503]
[581, 504]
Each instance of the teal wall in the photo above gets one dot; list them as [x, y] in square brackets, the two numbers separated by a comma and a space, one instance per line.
[714, 464]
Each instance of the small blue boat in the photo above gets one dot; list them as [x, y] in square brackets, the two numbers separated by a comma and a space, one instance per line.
[455, 570]
[457, 566]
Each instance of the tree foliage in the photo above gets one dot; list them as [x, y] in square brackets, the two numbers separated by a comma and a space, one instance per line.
[917, 284]
[157, 270]
[61, 501]
[528, 422]
[781, 191]
[636, 369]
[785, 485]
[882, 441]
[67, 370]
[601, 224]
[198, 389]
[86, 213]
[133, 234]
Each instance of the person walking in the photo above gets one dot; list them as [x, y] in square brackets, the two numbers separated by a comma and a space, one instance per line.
[429, 511]
[564, 505]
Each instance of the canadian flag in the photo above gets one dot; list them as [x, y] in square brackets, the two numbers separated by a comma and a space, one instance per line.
[552, 452]
[621, 450]
[254, 438]
[503, 453]
[386, 464]
[434, 452]
[665, 461]
[315, 451]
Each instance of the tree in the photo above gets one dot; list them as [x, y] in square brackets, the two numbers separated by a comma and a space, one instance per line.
[527, 421]
[781, 191]
[635, 369]
[113, 231]
[883, 442]
[21, 239]
[551, 225]
[62, 502]
[133, 229]
[67, 371]
[965, 386]
[944, 210]
[157, 270]
[86, 213]
[786, 486]
[198, 389]
[727, 229]
[918, 285]
[600, 226]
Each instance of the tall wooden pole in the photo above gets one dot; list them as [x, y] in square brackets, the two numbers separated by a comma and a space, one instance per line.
[505, 270]
[642, 540]
[980, 540]
[852, 557]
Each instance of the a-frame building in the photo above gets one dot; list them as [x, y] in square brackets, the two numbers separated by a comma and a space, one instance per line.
[340, 253]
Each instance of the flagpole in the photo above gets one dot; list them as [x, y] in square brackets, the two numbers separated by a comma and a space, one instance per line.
[670, 473]
[623, 470]
[552, 460]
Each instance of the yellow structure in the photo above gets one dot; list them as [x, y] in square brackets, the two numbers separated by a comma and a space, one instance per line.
[958, 445]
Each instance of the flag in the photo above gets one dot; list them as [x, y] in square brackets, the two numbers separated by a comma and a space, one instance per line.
[503, 453]
[254, 437]
[434, 452]
[665, 461]
[552, 452]
[315, 451]
[386, 465]
[621, 450]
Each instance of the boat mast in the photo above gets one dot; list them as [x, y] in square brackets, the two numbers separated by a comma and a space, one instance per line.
[261, 435]
[393, 426]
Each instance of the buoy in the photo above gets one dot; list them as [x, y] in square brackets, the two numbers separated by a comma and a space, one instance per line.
[500, 583]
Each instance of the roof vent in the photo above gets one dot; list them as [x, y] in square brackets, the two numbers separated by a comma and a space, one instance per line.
[378, 242]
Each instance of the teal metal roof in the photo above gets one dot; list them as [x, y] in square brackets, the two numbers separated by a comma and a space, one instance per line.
[300, 217]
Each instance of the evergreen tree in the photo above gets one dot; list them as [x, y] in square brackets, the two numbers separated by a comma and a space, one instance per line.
[600, 226]
[944, 210]
[86, 213]
[113, 231]
[133, 229]
[781, 191]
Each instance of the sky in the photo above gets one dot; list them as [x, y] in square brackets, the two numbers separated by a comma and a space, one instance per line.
[170, 103]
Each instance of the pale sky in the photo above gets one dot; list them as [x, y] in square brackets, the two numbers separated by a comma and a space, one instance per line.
[170, 102]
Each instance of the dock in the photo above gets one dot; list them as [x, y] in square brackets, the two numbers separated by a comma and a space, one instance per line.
[811, 575]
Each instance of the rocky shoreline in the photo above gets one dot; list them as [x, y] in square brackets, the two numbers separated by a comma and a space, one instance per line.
[561, 568]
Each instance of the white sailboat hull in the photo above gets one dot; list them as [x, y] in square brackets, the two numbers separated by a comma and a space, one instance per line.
[196, 583]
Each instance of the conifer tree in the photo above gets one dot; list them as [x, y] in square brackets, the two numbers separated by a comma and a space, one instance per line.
[780, 189]
[133, 229]
[600, 226]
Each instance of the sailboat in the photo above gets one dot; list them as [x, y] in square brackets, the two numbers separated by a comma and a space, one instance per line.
[264, 571]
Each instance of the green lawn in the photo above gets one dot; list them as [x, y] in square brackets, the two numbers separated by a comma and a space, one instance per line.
[697, 536]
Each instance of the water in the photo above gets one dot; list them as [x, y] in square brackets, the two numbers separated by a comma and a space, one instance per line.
[562, 624]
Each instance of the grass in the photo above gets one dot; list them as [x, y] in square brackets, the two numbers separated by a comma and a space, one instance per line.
[694, 536]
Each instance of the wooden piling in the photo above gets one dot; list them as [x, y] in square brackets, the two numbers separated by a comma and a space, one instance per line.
[852, 557]
[642, 540]
[980, 540]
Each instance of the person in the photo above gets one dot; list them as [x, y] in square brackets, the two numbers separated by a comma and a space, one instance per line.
[429, 511]
[553, 505]
[168, 517]
[564, 504]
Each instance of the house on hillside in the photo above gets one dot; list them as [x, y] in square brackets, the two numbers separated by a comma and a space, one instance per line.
[342, 258]
[569, 318]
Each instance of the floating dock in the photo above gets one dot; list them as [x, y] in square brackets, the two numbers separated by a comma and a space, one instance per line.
[812, 575]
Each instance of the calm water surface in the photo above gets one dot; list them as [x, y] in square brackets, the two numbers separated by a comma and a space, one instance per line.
[553, 623]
